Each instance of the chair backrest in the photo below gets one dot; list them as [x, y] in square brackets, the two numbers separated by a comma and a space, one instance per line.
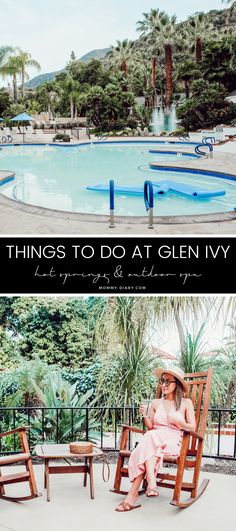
[200, 394]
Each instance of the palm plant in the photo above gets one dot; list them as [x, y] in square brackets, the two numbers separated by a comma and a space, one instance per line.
[59, 397]
[12, 68]
[4, 53]
[121, 55]
[179, 308]
[191, 358]
[25, 60]
[186, 72]
[199, 27]
[161, 30]
[71, 88]
[127, 365]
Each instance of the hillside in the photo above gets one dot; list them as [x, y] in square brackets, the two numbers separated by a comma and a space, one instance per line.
[223, 18]
[49, 76]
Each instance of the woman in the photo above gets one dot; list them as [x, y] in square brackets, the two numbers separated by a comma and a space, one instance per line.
[165, 419]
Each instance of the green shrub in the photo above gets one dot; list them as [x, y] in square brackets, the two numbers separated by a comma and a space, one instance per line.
[61, 137]
[206, 107]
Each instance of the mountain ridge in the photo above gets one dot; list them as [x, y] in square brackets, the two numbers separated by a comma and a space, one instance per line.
[49, 76]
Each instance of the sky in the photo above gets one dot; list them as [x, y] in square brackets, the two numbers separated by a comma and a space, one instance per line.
[216, 330]
[51, 29]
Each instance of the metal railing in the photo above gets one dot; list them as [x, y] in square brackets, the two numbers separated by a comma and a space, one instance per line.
[203, 153]
[112, 203]
[101, 424]
[149, 201]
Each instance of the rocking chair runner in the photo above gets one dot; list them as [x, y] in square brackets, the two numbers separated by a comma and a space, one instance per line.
[23, 457]
[191, 448]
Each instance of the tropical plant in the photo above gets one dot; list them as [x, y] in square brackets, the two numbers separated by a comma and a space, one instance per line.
[206, 106]
[187, 72]
[25, 60]
[121, 55]
[127, 366]
[191, 358]
[200, 28]
[58, 397]
[161, 29]
[12, 68]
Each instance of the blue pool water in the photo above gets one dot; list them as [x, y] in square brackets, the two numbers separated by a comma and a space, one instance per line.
[57, 177]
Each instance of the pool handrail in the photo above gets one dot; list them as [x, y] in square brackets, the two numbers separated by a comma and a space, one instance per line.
[112, 203]
[149, 201]
[208, 140]
[205, 144]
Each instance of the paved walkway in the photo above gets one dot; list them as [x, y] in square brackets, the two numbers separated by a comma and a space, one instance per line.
[71, 507]
[18, 218]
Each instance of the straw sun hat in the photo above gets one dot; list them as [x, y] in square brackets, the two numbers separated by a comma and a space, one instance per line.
[174, 371]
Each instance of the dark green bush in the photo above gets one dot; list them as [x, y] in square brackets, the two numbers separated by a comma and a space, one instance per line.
[61, 137]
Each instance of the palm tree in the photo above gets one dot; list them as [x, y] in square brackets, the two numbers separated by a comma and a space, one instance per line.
[12, 68]
[161, 29]
[120, 55]
[25, 59]
[186, 72]
[72, 91]
[4, 53]
[200, 28]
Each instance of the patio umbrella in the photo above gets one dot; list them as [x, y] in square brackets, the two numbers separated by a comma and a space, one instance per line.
[23, 117]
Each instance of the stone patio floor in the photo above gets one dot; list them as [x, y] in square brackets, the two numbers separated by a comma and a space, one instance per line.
[72, 509]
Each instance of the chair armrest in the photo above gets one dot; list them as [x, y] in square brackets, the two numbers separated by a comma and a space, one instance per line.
[132, 428]
[16, 430]
[194, 434]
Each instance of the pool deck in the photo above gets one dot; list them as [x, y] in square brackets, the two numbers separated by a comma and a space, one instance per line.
[19, 218]
[71, 507]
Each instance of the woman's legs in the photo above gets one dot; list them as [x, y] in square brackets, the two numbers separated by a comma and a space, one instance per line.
[132, 495]
[150, 474]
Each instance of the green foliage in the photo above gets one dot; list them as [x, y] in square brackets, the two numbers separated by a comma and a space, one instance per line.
[108, 109]
[218, 64]
[56, 330]
[206, 107]
[127, 367]
[61, 137]
[85, 379]
[191, 358]
[46, 387]
[5, 102]
[142, 115]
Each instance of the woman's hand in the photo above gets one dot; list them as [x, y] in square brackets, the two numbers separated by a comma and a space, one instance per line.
[177, 418]
[143, 410]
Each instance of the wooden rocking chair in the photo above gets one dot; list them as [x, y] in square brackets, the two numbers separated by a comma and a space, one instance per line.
[191, 448]
[23, 457]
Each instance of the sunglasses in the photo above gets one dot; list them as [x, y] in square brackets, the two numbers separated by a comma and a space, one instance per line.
[166, 382]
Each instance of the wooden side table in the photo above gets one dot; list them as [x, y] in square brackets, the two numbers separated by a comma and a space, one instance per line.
[53, 452]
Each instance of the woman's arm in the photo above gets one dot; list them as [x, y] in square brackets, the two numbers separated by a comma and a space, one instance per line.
[177, 418]
[148, 415]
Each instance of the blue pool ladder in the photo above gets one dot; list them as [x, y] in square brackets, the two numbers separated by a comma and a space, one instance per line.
[112, 203]
[149, 202]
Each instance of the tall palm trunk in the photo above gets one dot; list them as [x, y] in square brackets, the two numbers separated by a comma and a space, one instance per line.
[154, 71]
[23, 82]
[180, 329]
[14, 87]
[124, 67]
[169, 75]
[71, 108]
[186, 86]
[198, 50]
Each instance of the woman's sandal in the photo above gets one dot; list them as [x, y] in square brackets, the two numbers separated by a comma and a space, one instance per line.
[152, 492]
[127, 507]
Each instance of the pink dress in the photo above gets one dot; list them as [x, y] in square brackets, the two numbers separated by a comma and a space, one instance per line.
[163, 439]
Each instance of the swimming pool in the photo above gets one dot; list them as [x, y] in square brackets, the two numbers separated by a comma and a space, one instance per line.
[57, 177]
